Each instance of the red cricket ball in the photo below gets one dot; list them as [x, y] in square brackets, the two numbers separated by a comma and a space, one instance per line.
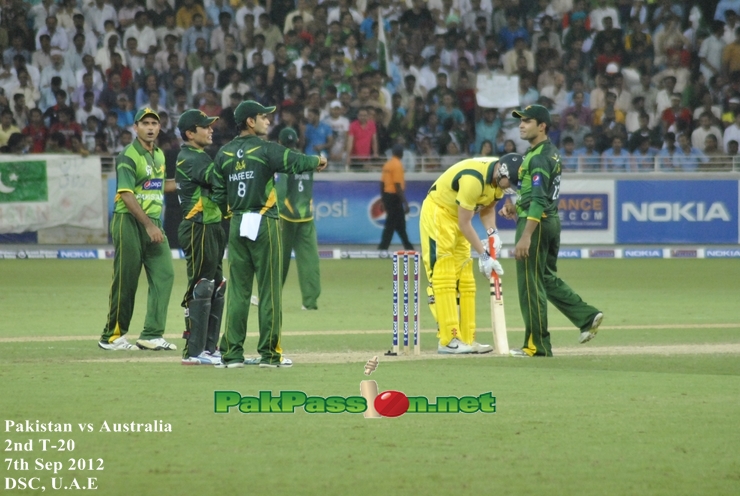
[391, 403]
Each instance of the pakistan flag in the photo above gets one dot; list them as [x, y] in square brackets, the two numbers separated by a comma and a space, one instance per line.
[23, 182]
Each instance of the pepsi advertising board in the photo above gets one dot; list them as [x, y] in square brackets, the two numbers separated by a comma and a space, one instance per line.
[689, 212]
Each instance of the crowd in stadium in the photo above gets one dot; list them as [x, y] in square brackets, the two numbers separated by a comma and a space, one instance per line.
[629, 84]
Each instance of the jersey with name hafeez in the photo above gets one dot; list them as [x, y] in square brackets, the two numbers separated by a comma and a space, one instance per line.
[243, 176]
[140, 172]
[194, 168]
[539, 182]
[466, 184]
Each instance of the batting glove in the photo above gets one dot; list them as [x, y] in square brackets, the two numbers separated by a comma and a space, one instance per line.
[488, 265]
[493, 233]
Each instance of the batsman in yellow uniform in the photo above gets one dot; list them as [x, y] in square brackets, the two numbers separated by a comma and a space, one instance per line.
[447, 234]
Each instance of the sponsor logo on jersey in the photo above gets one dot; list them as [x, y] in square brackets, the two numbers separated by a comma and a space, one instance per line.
[536, 180]
[152, 184]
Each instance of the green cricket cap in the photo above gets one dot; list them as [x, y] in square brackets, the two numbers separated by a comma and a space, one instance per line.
[192, 118]
[537, 112]
[250, 108]
[288, 137]
[145, 112]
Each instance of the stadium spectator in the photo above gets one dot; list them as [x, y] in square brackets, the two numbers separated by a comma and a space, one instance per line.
[487, 128]
[698, 137]
[732, 132]
[58, 69]
[676, 115]
[36, 131]
[186, 13]
[517, 51]
[616, 158]
[643, 156]
[170, 28]
[600, 13]
[197, 31]
[667, 154]
[588, 157]
[731, 55]
[89, 108]
[73, 59]
[142, 32]
[513, 30]
[362, 139]
[25, 87]
[51, 114]
[66, 126]
[56, 143]
[717, 160]
[653, 135]
[158, 13]
[127, 13]
[568, 157]
[112, 132]
[104, 56]
[575, 131]
[687, 157]
[710, 53]
[7, 126]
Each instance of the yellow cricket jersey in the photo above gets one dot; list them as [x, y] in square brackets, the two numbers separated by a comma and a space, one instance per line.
[467, 184]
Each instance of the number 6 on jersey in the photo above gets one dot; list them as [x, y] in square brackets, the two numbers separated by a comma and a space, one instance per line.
[498, 319]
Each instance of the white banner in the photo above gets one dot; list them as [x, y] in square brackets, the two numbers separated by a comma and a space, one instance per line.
[44, 191]
[499, 92]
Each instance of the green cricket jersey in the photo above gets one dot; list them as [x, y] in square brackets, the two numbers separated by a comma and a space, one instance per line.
[142, 173]
[194, 168]
[295, 196]
[243, 176]
[539, 182]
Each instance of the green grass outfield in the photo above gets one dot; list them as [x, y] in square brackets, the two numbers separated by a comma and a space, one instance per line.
[648, 407]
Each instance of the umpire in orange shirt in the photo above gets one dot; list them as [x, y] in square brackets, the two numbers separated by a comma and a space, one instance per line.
[396, 206]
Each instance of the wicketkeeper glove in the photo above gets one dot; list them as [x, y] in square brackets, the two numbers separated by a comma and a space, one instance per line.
[488, 265]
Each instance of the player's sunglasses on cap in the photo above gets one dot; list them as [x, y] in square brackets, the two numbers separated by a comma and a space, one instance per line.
[250, 108]
[537, 112]
[145, 112]
[190, 119]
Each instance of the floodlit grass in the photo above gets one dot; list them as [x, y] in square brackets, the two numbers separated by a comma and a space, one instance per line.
[603, 424]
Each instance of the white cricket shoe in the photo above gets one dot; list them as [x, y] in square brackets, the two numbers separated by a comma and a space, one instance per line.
[155, 344]
[252, 361]
[204, 358]
[230, 365]
[587, 336]
[519, 353]
[117, 344]
[284, 363]
[480, 348]
[454, 347]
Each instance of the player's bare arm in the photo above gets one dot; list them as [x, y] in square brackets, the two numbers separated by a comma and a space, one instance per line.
[508, 211]
[170, 186]
[155, 233]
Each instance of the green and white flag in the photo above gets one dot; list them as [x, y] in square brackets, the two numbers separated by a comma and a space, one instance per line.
[23, 182]
[383, 55]
[60, 191]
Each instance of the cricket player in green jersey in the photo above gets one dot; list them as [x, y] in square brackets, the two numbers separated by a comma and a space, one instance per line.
[139, 240]
[244, 186]
[295, 201]
[538, 239]
[202, 239]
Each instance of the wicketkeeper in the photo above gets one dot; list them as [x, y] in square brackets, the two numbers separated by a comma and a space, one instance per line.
[202, 239]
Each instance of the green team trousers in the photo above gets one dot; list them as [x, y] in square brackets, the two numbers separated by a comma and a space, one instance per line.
[261, 258]
[134, 249]
[538, 281]
[203, 246]
[301, 238]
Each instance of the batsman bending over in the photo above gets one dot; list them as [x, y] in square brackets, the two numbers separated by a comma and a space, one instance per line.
[447, 234]
[538, 240]
[202, 239]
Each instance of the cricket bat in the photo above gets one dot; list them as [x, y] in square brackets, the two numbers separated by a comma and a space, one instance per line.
[498, 319]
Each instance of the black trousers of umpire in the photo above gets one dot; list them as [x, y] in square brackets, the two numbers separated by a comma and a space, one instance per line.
[395, 221]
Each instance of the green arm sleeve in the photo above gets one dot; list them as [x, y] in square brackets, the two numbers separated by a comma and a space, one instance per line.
[125, 174]
[218, 185]
[540, 184]
[288, 161]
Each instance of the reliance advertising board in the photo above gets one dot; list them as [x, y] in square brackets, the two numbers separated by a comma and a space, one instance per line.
[677, 212]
